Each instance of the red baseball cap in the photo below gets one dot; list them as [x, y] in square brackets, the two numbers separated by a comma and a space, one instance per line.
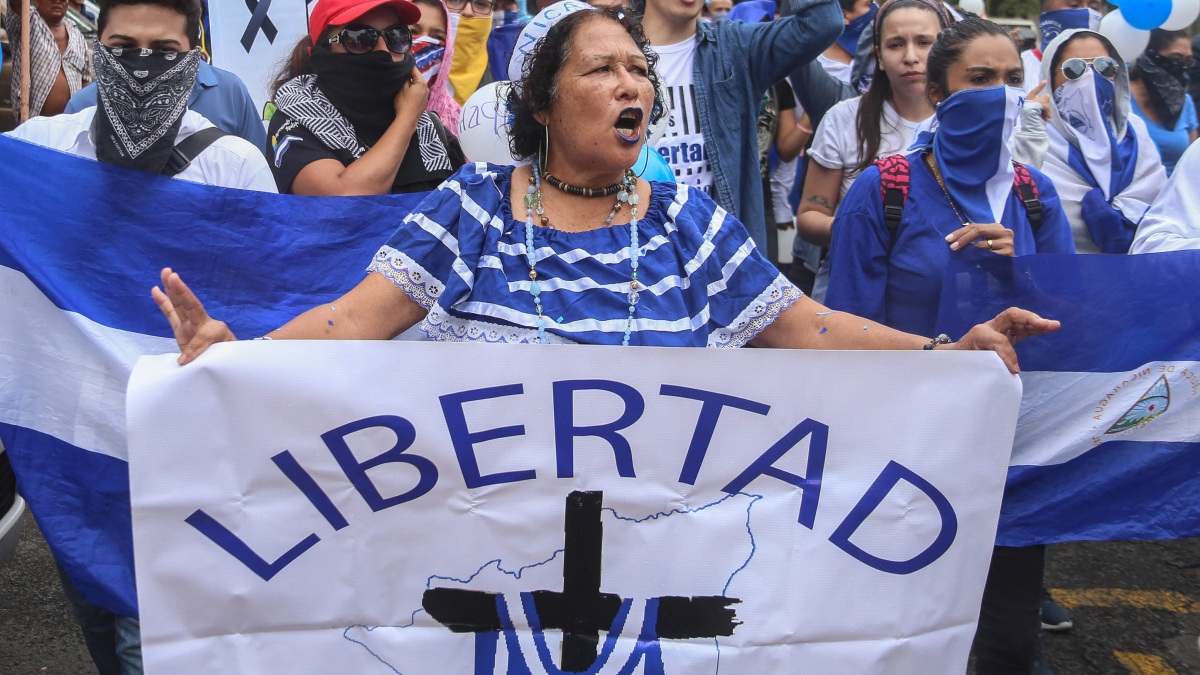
[328, 13]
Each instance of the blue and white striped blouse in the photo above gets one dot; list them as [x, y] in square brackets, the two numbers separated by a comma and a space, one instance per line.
[461, 256]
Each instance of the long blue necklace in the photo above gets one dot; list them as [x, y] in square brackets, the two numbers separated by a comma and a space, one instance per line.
[533, 204]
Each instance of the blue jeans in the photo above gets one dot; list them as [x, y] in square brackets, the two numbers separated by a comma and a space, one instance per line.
[113, 641]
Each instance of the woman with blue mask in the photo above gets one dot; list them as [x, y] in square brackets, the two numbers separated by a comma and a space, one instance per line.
[1101, 158]
[961, 197]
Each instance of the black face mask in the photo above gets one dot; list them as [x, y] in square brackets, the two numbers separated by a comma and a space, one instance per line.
[362, 87]
[1166, 82]
[143, 95]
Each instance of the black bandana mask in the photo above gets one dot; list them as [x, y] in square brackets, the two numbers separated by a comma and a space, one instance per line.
[1166, 85]
[362, 87]
[143, 95]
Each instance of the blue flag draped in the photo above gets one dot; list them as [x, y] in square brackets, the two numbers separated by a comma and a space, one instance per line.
[91, 238]
[81, 244]
[1107, 445]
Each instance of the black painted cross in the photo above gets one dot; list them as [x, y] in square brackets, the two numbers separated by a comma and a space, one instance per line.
[580, 610]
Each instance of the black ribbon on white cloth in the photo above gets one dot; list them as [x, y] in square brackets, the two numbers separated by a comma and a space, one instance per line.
[259, 21]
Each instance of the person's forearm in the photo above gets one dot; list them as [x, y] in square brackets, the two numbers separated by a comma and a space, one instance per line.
[808, 324]
[813, 226]
[375, 309]
[375, 171]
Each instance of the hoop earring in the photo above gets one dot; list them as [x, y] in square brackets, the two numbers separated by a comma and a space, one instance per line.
[545, 146]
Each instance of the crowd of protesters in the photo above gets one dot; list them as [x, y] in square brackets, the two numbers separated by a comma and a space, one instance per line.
[862, 146]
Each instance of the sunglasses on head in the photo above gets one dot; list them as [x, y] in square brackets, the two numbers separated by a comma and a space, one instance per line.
[361, 39]
[1105, 66]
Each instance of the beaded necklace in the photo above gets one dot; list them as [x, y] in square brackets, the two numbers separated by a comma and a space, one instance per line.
[627, 194]
[937, 175]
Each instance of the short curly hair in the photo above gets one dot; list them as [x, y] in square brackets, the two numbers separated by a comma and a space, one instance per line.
[538, 86]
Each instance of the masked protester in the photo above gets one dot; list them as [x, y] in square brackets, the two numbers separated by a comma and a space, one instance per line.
[1101, 158]
[145, 71]
[962, 197]
[350, 113]
[146, 58]
[1056, 17]
[1159, 84]
[433, 51]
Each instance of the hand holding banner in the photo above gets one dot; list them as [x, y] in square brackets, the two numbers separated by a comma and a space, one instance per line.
[475, 507]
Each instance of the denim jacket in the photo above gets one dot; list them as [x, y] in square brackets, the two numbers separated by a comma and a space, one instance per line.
[735, 64]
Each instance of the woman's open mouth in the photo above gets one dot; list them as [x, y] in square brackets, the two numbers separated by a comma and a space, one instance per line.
[629, 125]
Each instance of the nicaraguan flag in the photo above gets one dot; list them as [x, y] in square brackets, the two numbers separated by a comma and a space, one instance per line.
[1108, 441]
[81, 244]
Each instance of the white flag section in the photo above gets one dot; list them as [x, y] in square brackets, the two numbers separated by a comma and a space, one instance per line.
[392, 507]
[252, 38]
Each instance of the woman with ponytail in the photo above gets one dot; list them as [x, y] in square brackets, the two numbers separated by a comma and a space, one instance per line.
[881, 122]
[350, 107]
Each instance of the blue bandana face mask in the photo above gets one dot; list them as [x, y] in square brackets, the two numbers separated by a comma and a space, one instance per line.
[1086, 105]
[850, 35]
[1053, 23]
[971, 149]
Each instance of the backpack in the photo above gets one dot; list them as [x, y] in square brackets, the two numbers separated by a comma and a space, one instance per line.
[189, 149]
[894, 175]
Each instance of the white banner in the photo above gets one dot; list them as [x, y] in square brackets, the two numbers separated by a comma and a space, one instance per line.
[253, 38]
[391, 507]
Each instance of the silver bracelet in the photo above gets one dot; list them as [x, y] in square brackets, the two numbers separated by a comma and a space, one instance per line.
[942, 339]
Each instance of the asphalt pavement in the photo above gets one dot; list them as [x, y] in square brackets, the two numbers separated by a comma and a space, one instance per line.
[1135, 605]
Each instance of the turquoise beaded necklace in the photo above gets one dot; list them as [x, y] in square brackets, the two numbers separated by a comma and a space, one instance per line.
[533, 204]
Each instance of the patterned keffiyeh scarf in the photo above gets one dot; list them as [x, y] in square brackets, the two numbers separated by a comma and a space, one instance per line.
[303, 101]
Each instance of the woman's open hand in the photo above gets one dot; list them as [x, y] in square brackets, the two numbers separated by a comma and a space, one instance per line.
[1001, 333]
[993, 236]
[194, 329]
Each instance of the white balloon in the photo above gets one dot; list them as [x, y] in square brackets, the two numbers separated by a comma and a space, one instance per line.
[483, 127]
[1128, 41]
[535, 29]
[973, 6]
[1183, 14]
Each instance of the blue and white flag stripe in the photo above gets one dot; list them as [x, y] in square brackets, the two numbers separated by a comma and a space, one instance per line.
[75, 314]
[1108, 441]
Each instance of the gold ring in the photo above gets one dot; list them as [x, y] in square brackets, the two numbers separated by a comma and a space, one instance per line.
[990, 245]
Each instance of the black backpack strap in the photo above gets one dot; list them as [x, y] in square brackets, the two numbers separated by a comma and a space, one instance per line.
[894, 178]
[1027, 192]
[190, 148]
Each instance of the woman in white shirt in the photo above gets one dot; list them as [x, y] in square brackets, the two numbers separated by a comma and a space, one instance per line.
[881, 122]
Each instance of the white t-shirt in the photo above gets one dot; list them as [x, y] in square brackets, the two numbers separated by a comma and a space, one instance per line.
[835, 145]
[682, 141]
[836, 68]
[230, 161]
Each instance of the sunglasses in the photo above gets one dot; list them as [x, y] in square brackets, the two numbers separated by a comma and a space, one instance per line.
[481, 7]
[360, 39]
[1105, 66]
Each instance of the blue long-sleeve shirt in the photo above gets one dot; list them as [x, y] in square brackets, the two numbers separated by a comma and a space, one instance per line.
[734, 65]
[899, 283]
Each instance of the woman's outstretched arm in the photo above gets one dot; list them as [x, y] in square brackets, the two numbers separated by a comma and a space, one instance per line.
[375, 309]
